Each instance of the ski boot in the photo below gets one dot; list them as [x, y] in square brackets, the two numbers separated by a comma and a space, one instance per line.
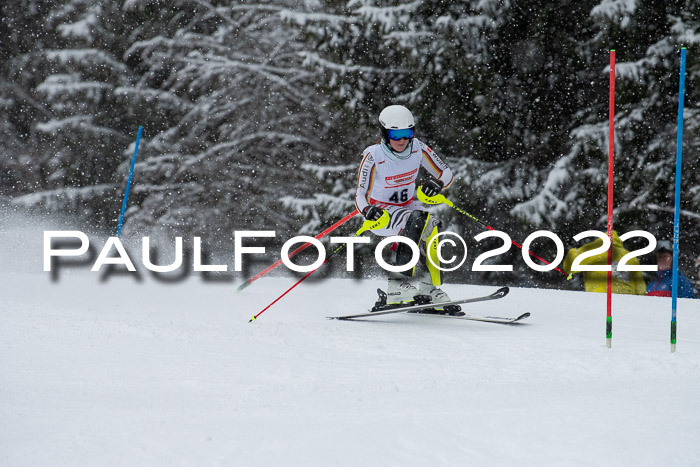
[399, 292]
[437, 296]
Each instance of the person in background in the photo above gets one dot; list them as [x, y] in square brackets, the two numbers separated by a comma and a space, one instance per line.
[661, 285]
[696, 279]
[623, 282]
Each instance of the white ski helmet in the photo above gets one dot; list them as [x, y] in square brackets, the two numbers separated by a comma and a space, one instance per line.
[396, 117]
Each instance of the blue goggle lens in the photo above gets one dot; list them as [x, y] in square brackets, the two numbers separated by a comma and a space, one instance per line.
[400, 134]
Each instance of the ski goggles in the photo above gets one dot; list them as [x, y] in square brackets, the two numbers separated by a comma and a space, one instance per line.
[397, 135]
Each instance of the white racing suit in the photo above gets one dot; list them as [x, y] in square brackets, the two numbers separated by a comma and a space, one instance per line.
[390, 182]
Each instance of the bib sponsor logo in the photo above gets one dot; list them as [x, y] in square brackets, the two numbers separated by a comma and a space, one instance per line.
[401, 179]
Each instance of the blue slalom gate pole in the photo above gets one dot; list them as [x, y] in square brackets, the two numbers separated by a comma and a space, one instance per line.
[676, 215]
[128, 183]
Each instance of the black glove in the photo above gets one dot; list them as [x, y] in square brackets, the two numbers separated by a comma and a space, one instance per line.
[372, 213]
[432, 187]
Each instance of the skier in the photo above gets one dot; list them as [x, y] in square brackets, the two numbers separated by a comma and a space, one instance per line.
[661, 286]
[387, 181]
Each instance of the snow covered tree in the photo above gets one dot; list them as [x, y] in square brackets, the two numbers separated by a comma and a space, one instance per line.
[516, 93]
[229, 114]
[649, 78]
[79, 129]
[480, 78]
[255, 114]
[21, 29]
[248, 120]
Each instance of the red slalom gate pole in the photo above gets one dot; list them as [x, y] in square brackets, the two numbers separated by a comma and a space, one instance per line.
[611, 157]
[298, 250]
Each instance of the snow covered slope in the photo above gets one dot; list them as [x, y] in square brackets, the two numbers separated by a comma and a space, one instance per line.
[126, 373]
[148, 373]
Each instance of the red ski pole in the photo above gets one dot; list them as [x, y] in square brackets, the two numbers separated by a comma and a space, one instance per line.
[437, 199]
[295, 252]
[367, 225]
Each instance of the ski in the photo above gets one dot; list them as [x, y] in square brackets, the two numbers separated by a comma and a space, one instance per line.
[500, 293]
[485, 319]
